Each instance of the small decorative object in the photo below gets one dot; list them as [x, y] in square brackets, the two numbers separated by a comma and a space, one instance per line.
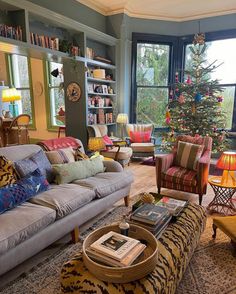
[99, 73]
[147, 198]
[199, 39]
[61, 111]
[74, 50]
[176, 77]
[73, 92]
[220, 99]
[104, 89]
[124, 227]
[109, 77]
[110, 90]
[189, 81]
[181, 99]
[38, 88]
[11, 95]
[168, 117]
[198, 97]
[98, 89]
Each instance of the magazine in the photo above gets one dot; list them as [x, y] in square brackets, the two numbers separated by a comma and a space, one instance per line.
[173, 205]
[126, 261]
[114, 245]
[149, 213]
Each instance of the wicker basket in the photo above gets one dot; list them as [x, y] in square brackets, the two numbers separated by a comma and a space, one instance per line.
[123, 274]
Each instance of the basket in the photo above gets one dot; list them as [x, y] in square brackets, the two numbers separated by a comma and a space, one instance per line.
[123, 274]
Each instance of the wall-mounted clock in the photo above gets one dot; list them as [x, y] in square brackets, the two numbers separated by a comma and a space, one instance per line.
[73, 92]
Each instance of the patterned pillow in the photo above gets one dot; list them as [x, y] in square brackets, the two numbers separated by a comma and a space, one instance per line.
[188, 154]
[140, 137]
[60, 156]
[17, 193]
[28, 165]
[7, 172]
[79, 155]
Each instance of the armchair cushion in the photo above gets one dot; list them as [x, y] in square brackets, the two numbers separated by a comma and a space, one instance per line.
[142, 147]
[180, 175]
[140, 137]
[188, 155]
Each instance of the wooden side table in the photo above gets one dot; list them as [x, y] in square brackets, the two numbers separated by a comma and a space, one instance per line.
[222, 202]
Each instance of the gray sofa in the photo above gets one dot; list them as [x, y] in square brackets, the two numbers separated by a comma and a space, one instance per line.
[45, 218]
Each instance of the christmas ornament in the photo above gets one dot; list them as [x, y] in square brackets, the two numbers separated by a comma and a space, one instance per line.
[171, 95]
[220, 99]
[199, 39]
[198, 97]
[177, 92]
[147, 198]
[189, 81]
[181, 99]
[167, 116]
[193, 109]
[176, 77]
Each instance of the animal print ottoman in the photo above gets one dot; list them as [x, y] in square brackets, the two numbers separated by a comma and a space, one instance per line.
[176, 247]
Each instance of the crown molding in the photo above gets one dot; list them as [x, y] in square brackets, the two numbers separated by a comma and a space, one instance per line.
[102, 9]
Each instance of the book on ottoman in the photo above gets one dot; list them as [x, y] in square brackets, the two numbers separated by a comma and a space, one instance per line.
[174, 206]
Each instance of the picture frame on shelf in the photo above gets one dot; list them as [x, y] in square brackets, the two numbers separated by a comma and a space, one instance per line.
[104, 89]
[98, 89]
[90, 88]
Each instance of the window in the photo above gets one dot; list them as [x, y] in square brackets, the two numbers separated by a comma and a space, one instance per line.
[20, 79]
[152, 75]
[56, 93]
[223, 73]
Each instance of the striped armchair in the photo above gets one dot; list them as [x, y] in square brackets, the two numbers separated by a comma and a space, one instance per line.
[172, 176]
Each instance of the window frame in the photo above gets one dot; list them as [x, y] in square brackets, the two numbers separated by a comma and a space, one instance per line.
[50, 126]
[9, 62]
[176, 61]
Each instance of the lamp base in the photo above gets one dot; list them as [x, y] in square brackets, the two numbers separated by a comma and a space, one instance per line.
[228, 178]
[14, 109]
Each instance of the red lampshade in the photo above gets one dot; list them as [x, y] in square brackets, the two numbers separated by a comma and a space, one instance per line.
[227, 161]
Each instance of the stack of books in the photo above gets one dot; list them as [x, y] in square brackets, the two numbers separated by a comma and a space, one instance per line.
[151, 217]
[174, 206]
[13, 32]
[45, 41]
[116, 250]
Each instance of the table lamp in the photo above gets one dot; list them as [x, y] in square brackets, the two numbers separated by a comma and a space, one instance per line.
[11, 95]
[96, 144]
[122, 118]
[227, 162]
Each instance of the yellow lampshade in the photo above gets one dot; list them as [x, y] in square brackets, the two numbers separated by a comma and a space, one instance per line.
[10, 95]
[96, 144]
[122, 118]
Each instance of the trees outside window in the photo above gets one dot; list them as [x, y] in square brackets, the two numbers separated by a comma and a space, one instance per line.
[56, 97]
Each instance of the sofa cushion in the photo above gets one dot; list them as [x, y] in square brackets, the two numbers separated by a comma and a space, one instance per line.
[180, 175]
[67, 173]
[64, 198]
[7, 172]
[22, 222]
[124, 153]
[17, 193]
[60, 156]
[140, 137]
[142, 147]
[38, 160]
[106, 183]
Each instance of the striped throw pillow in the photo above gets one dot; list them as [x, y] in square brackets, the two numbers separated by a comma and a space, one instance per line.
[60, 156]
[188, 155]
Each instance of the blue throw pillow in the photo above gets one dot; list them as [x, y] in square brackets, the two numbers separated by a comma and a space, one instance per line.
[19, 192]
[28, 165]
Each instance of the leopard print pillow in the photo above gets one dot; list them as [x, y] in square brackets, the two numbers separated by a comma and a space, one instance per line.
[7, 172]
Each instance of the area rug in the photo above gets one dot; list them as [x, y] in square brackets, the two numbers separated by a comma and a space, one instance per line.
[211, 270]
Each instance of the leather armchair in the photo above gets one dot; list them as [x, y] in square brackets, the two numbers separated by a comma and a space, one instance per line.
[171, 176]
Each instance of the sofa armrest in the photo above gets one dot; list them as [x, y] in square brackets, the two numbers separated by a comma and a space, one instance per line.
[203, 170]
[112, 166]
[163, 162]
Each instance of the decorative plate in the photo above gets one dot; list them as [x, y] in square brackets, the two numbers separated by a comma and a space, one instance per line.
[73, 92]
[38, 88]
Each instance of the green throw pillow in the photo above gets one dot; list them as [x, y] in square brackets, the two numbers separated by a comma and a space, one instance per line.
[188, 154]
[69, 172]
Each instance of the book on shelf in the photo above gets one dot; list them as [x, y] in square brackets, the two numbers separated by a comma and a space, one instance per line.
[149, 213]
[12, 32]
[114, 245]
[173, 205]
[129, 259]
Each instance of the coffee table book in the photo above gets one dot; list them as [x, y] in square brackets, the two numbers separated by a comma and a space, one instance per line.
[114, 245]
[149, 213]
[174, 206]
[129, 259]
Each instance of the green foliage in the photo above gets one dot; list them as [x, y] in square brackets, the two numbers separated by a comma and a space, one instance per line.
[195, 107]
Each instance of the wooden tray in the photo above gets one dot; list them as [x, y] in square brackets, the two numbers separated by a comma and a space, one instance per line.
[123, 274]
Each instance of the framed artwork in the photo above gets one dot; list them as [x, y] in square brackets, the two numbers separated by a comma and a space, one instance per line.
[73, 92]
[90, 88]
[104, 89]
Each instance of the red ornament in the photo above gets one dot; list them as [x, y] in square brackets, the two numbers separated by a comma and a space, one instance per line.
[176, 76]
[189, 81]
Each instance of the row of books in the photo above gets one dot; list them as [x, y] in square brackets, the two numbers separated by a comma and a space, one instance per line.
[44, 41]
[115, 250]
[100, 118]
[11, 32]
[156, 217]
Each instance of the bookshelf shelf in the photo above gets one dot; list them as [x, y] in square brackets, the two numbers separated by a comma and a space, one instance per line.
[101, 94]
[101, 80]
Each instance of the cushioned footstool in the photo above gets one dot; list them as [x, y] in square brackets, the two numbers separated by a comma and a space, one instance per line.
[176, 247]
[226, 224]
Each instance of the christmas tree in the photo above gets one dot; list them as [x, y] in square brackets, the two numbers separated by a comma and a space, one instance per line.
[195, 104]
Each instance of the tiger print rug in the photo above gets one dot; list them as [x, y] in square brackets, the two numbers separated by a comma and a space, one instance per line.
[211, 270]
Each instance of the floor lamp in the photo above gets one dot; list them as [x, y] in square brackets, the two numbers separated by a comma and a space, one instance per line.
[122, 118]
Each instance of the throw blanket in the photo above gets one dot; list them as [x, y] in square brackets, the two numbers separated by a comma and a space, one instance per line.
[176, 247]
[59, 143]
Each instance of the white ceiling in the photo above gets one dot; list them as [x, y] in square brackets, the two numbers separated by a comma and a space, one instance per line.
[174, 10]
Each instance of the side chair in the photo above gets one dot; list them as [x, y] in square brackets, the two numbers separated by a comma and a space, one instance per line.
[172, 173]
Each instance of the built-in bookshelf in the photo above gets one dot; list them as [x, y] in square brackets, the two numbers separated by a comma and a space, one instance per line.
[29, 29]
